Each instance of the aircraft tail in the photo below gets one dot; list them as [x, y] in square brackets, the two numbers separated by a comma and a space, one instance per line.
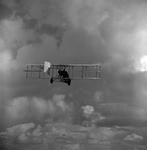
[47, 65]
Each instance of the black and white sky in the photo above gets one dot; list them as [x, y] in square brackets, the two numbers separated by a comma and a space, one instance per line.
[110, 32]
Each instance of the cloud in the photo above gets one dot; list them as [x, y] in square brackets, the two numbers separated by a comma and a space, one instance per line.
[73, 146]
[44, 137]
[22, 137]
[18, 129]
[98, 17]
[28, 138]
[43, 107]
[13, 35]
[37, 132]
[87, 110]
[118, 109]
[5, 12]
[133, 137]
[122, 114]
[23, 133]
[59, 100]
[24, 108]
[102, 19]
[90, 116]
[41, 50]
[43, 17]
[110, 32]
[28, 24]
[18, 108]
[86, 14]
[6, 60]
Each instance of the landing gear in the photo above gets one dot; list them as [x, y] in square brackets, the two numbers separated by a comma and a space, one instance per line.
[51, 80]
[69, 82]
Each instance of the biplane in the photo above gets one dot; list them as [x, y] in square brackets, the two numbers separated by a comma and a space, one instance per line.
[63, 73]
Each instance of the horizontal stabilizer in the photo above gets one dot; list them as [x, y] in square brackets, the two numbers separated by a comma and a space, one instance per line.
[47, 65]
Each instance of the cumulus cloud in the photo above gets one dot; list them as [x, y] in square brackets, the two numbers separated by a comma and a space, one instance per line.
[45, 136]
[59, 100]
[18, 108]
[87, 110]
[24, 133]
[18, 129]
[37, 108]
[27, 138]
[91, 116]
[133, 137]
[22, 137]
[37, 132]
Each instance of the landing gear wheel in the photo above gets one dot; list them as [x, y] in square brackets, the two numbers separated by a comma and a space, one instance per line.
[69, 82]
[51, 80]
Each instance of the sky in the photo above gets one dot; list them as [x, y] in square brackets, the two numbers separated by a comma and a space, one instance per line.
[110, 32]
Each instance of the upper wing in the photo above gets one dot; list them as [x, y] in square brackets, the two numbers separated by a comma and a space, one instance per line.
[35, 71]
[43, 71]
[75, 71]
[84, 71]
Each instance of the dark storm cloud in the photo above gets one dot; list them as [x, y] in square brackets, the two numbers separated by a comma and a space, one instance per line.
[5, 12]
[44, 16]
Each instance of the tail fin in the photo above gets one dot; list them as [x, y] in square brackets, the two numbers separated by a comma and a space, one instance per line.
[47, 65]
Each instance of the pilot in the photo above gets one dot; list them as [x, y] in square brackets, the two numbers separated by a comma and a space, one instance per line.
[63, 73]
